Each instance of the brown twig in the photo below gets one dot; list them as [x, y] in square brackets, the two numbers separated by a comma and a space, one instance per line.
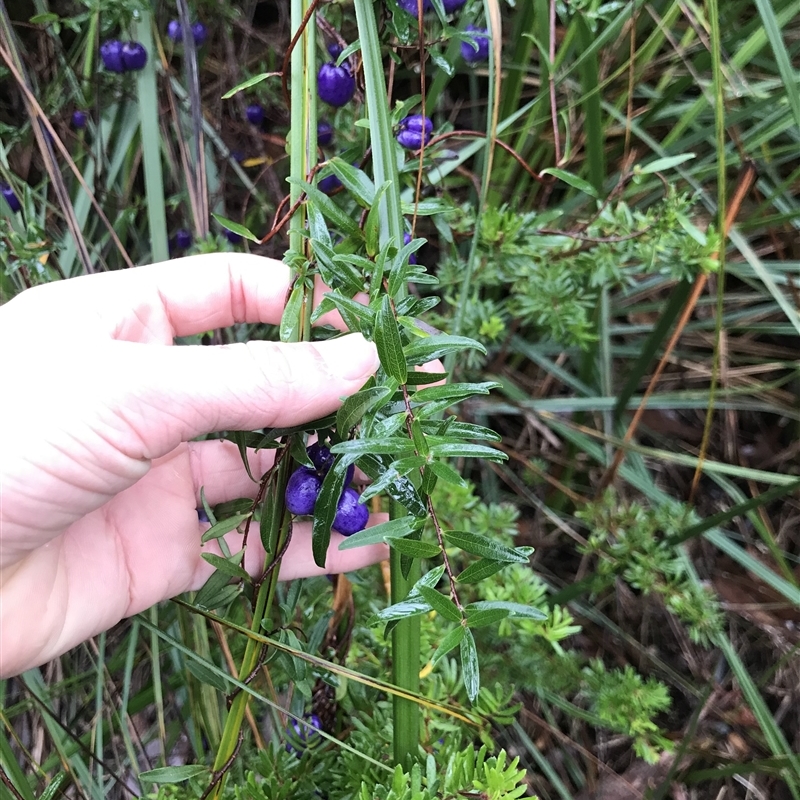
[545, 179]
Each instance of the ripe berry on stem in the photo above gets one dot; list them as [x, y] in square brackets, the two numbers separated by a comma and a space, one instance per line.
[79, 119]
[134, 56]
[479, 51]
[351, 516]
[335, 85]
[255, 114]
[302, 491]
[111, 55]
[233, 237]
[414, 130]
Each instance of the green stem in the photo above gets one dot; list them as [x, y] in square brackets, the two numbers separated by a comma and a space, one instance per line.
[405, 637]
[405, 665]
[147, 93]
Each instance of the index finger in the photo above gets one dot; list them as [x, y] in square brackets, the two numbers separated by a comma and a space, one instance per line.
[182, 297]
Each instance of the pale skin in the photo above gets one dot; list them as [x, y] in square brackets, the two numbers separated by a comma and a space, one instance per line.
[99, 475]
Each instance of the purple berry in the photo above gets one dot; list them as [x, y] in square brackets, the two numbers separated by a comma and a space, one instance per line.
[412, 259]
[351, 516]
[111, 55]
[233, 237]
[334, 50]
[452, 5]
[302, 491]
[175, 30]
[202, 516]
[183, 239]
[413, 130]
[324, 133]
[10, 197]
[410, 6]
[329, 185]
[300, 735]
[134, 56]
[200, 33]
[320, 457]
[335, 85]
[79, 119]
[255, 114]
[474, 53]
[322, 460]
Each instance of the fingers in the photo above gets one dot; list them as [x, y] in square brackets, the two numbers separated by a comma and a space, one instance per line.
[182, 297]
[157, 302]
[218, 470]
[174, 394]
[298, 561]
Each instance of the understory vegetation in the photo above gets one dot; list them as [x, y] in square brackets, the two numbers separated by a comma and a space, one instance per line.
[594, 588]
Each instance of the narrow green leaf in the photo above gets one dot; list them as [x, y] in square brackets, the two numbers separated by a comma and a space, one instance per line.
[439, 603]
[470, 671]
[230, 566]
[410, 607]
[355, 406]
[514, 609]
[325, 511]
[393, 529]
[172, 774]
[480, 618]
[387, 340]
[400, 489]
[235, 227]
[355, 181]
[476, 572]
[441, 469]
[454, 391]
[254, 81]
[330, 210]
[661, 164]
[205, 675]
[450, 641]
[223, 526]
[414, 548]
[372, 233]
[216, 591]
[44, 19]
[290, 320]
[360, 447]
[421, 378]
[573, 180]
[466, 450]
[424, 350]
[485, 547]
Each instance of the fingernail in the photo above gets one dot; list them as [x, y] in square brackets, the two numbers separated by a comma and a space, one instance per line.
[356, 357]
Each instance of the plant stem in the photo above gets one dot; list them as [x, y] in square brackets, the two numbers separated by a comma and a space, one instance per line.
[405, 636]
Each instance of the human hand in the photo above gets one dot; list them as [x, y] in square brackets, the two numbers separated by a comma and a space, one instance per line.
[100, 481]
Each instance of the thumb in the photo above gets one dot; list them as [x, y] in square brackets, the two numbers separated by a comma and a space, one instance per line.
[178, 393]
